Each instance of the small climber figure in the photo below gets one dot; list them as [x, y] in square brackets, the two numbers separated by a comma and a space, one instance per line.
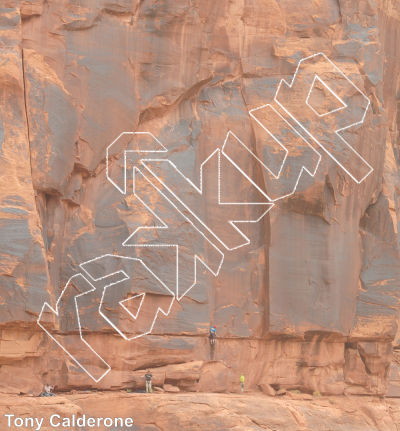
[148, 376]
[213, 335]
[242, 382]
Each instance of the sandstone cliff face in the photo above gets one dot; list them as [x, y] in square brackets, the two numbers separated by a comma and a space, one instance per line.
[311, 303]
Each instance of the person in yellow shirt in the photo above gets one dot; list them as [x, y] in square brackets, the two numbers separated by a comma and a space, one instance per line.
[242, 382]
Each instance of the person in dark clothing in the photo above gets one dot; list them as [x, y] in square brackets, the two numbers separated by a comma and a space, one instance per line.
[213, 335]
[148, 376]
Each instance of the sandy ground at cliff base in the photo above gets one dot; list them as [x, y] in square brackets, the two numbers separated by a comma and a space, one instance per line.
[207, 412]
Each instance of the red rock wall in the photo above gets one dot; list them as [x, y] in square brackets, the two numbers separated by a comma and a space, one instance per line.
[311, 302]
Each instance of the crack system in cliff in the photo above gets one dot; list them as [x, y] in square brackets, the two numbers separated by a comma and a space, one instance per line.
[26, 111]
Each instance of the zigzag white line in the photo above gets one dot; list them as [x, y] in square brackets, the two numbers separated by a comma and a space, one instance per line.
[337, 131]
[121, 302]
[196, 258]
[200, 191]
[337, 97]
[80, 328]
[100, 311]
[130, 151]
[164, 226]
[287, 152]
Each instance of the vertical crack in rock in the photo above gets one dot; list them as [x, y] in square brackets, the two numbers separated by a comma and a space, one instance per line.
[25, 103]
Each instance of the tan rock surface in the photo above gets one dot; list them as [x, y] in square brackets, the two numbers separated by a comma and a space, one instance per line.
[312, 303]
[171, 388]
[267, 389]
[213, 412]
[187, 371]
[24, 407]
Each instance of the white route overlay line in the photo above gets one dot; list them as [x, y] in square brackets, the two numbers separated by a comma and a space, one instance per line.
[332, 92]
[123, 191]
[140, 306]
[126, 277]
[286, 150]
[128, 299]
[165, 226]
[337, 131]
[80, 328]
[200, 191]
[238, 168]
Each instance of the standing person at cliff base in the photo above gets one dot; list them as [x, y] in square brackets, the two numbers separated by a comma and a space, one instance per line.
[148, 376]
[213, 335]
[242, 382]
